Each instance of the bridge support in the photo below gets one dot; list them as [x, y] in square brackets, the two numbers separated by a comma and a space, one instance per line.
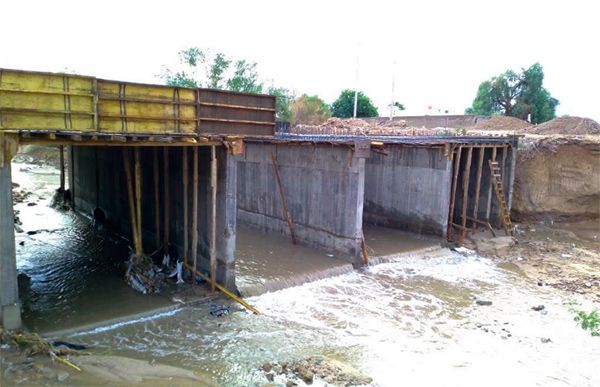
[10, 308]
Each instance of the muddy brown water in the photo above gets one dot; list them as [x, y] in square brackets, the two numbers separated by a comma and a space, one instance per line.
[409, 321]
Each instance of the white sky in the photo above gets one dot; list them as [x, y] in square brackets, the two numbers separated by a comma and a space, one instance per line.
[442, 49]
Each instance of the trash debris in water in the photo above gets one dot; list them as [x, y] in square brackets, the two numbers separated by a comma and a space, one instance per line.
[142, 275]
[218, 310]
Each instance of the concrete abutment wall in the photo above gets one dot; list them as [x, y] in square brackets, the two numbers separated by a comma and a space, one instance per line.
[409, 189]
[323, 187]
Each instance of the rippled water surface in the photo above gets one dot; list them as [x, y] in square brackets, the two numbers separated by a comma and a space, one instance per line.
[412, 322]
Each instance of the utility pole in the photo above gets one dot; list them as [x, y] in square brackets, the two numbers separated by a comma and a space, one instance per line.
[393, 82]
[356, 85]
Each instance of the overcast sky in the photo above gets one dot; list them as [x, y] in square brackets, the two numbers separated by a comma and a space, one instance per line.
[439, 51]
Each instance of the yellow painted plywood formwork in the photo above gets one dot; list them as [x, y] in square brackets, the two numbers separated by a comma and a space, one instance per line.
[35, 101]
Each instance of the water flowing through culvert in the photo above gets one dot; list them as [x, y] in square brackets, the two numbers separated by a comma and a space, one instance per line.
[410, 320]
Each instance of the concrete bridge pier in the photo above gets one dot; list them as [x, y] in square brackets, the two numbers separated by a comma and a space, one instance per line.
[10, 308]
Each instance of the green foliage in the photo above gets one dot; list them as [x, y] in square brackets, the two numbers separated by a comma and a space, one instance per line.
[309, 110]
[516, 95]
[283, 98]
[343, 107]
[215, 70]
[589, 321]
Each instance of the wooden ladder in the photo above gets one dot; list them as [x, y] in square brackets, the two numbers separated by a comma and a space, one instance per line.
[498, 188]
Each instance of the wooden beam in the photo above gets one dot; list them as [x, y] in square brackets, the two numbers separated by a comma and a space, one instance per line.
[213, 220]
[132, 211]
[166, 198]
[465, 198]
[195, 209]
[453, 195]
[61, 150]
[478, 186]
[489, 194]
[186, 232]
[156, 197]
[138, 199]
[363, 248]
[286, 212]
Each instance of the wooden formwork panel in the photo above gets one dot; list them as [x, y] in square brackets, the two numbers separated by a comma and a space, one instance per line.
[66, 102]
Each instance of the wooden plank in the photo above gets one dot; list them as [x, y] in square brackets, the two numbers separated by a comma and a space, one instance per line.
[363, 248]
[478, 186]
[489, 194]
[61, 149]
[213, 220]
[132, 211]
[156, 197]
[186, 232]
[195, 209]
[465, 198]
[286, 212]
[166, 199]
[138, 200]
[454, 185]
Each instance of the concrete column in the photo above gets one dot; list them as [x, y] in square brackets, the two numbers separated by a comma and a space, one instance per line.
[10, 310]
[226, 217]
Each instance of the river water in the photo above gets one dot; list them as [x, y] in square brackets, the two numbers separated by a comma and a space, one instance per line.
[410, 321]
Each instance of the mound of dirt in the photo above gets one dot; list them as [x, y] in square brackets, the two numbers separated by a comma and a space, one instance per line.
[567, 125]
[502, 123]
[557, 178]
[384, 127]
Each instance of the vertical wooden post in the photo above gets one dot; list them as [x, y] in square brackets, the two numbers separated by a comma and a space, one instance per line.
[213, 220]
[156, 197]
[286, 212]
[489, 194]
[166, 198]
[195, 210]
[129, 181]
[453, 196]
[478, 187]
[465, 199]
[186, 232]
[138, 200]
[61, 149]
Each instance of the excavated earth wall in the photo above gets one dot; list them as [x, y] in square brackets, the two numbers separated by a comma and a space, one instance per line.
[557, 178]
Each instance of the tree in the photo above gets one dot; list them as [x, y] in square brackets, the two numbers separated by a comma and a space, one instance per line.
[309, 110]
[283, 98]
[343, 107]
[516, 95]
[215, 70]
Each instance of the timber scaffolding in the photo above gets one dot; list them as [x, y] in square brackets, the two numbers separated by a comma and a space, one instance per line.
[85, 112]
[471, 204]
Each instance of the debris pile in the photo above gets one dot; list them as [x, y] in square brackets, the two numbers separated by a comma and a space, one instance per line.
[331, 371]
[143, 276]
[502, 123]
[358, 127]
[567, 125]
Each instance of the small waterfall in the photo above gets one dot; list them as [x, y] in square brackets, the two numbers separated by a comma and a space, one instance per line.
[251, 290]
[427, 252]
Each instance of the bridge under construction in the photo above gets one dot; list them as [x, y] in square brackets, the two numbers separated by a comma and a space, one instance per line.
[182, 167]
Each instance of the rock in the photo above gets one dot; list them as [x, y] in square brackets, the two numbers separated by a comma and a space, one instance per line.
[277, 369]
[267, 367]
[540, 283]
[270, 376]
[499, 246]
[545, 340]
[32, 232]
[15, 185]
[483, 303]
[538, 308]
[289, 383]
[31, 204]
[304, 373]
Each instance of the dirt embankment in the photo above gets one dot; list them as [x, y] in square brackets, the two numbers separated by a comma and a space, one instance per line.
[557, 178]
[40, 155]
